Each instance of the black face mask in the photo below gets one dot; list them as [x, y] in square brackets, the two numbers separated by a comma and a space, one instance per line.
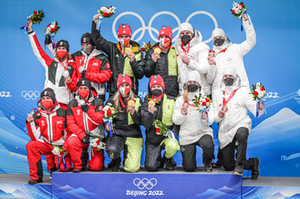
[185, 39]
[192, 87]
[157, 92]
[229, 81]
[219, 42]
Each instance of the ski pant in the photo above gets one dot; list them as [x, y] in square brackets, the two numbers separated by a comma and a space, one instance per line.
[228, 152]
[153, 153]
[78, 152]
[189, 152]
[132, 151]
[34, 151]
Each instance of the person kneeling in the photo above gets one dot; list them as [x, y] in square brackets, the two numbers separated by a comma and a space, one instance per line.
[84, 119]
[46, 129]
[231, 102]
[159, 107]
[192, 133]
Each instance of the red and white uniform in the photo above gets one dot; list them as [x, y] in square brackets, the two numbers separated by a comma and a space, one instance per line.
[54, 71]
[97, 68]
[47, 129]
[80, 122]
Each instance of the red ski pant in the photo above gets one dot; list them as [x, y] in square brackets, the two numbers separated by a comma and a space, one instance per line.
[34, 151]
[79, 155]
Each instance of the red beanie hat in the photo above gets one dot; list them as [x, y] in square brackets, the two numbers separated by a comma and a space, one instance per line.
[124, 29]
[157, 79]
[124, 78]
[166, 30]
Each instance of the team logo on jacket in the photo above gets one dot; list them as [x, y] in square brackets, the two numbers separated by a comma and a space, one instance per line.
[107, 65]
[237, 105]
[229, 59]
[43, 123]
[59, 122]
[95, 64]
[78, 112]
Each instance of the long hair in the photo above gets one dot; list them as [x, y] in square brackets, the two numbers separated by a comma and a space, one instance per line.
[68, 56]
[117, 96]
[185, 94]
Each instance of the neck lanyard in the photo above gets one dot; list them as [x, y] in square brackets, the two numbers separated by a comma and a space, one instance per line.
[222, 51]
[157, 98]
[123, 103]
[191, 105]
[64, 65]
[229, 98]
[188, 49]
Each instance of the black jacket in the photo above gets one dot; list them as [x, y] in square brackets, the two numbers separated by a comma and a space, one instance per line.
[161, 68]
[120, 122]
[117, 61]
[149, 118]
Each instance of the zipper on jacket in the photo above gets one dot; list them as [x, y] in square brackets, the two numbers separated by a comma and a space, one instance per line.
[49, 129]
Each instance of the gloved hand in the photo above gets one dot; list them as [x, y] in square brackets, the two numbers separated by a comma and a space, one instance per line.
[47, 39]
[83, 74]
[86, 139]
[84, 107]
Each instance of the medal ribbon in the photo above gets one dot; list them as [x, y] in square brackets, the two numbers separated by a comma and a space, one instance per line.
[186, 51]
[229, 98]
[157, 98]
[123, 103]
[222, 51]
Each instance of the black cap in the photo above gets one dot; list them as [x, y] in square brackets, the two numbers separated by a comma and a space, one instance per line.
[84, 82]
[87, 38]
[63, 43]
[50, 93]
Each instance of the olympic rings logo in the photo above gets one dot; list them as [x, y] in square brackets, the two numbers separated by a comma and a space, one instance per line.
[30, 95]
[150, 28]
[145, 183]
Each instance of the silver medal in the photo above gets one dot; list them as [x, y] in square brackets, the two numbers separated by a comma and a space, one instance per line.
[66, 73]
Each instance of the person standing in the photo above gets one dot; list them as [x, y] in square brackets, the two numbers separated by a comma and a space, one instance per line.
[159, 106]
[191, 56]
[124, 56]
[60, 72]
[161, 60]
[93, 65]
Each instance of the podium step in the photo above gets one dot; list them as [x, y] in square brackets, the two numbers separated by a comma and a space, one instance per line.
[271, 187]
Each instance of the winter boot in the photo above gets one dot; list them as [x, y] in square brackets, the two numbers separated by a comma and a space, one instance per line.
[115, 164]
[239, 169]
[208, 166]
[255, 168]
[169, 164]
[218, 164]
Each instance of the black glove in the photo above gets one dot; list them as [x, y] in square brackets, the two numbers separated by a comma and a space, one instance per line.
[83, 74]
[86, 139]
[84, 107]
[47, 39]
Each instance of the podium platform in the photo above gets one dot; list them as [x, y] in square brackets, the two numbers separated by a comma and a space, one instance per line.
[161, 184]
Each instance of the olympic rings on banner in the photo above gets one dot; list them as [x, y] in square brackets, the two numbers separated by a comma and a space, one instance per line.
[150, 28]
[145, 183]
[30, 95]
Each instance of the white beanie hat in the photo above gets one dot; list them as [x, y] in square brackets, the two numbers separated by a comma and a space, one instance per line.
[186, 26]
[193, 76]
[229, 70]
[218, 32]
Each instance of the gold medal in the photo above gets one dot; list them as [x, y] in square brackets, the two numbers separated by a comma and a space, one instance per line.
[225, 109]
[157, 50]
[151, 103]
[127, 50]
[131, 102]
